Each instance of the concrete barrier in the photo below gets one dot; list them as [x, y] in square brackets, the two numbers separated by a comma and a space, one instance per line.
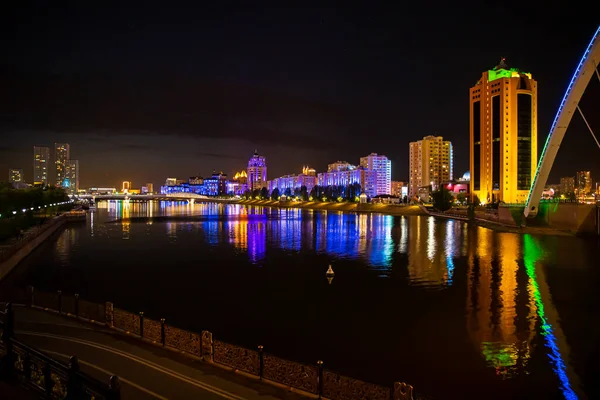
[23, 248]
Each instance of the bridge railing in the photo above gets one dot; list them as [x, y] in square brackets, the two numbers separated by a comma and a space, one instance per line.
[38, 371]
[309, 378]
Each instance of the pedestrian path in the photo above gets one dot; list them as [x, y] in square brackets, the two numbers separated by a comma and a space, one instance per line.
[146, 371]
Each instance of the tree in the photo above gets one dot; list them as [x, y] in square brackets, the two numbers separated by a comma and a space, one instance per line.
[264, 193]
[275, 194]
[247, 194]
[461, 197]
[304, 193]
[442, 199]
[288, 192]
[255, 193]
[476, 201]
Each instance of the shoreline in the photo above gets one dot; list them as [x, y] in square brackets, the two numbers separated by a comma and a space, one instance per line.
[357, 208]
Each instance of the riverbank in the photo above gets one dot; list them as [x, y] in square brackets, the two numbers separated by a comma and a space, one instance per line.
[390, 209]
[15, 250]
[504, 227]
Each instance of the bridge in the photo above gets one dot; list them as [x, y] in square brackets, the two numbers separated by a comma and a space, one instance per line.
[588, 65]
[189, 197]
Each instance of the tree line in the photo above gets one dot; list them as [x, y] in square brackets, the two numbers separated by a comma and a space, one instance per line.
[349, 192]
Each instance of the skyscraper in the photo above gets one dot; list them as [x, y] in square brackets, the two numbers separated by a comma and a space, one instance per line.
[72, 176]
[41, 160]
[431, 164]
[567, 185]
[503, 154]
[383, 172]
[62, 155]
[257, 172]
[15, 175]
[584, 183]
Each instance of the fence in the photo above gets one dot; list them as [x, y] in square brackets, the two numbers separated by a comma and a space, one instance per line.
[314, 379]
[46, 375]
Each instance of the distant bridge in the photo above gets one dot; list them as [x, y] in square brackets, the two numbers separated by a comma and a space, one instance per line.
[190, 197]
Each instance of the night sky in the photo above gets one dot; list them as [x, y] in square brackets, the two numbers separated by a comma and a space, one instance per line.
[143, 93]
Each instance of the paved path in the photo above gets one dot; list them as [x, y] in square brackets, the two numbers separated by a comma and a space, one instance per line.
[146, 371]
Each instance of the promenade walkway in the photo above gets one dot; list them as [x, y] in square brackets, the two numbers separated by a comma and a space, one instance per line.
[146, 371]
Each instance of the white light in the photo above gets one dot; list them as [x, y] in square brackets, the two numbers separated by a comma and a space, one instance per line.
[24, 210]
[32, 208]
[14, 212]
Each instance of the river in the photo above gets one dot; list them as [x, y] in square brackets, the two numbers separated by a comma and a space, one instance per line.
[456, 310]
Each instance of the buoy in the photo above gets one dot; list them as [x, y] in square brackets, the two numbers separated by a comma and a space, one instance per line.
[330, 271]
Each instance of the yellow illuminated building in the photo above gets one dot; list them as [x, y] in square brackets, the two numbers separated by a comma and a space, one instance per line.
[431, 164]
[503, 154]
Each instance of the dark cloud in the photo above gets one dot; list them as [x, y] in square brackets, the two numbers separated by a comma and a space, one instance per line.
[105, 106]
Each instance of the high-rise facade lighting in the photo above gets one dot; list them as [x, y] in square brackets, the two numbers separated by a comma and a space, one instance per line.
[431, 163]
[382, 166]
[15, 175]
[257, 172]
[503, 135]
[41, 162]
[62, 156]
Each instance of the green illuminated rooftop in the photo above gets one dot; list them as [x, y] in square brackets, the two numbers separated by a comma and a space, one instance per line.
[503, 71]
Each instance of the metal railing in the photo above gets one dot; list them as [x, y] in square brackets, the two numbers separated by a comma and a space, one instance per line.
[311, 378]
[37, 371]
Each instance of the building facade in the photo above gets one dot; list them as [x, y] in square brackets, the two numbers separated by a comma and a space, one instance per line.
[257, 172]
[431, 163]
[584, 183]
[567, 185]
[503, 135]
[71, 181]
[41, 162]
[382, 167]
[62, 155]
[345, 177]
[396, 188]
[15, 175]
[150, 188]
[307, 178]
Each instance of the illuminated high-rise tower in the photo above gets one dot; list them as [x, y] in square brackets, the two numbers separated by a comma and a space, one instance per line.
[41, 160]
[61, 159]
[584, 183]
[431, 162]
[72, 176]
[257, 172]
[503, 156]
[382, 184]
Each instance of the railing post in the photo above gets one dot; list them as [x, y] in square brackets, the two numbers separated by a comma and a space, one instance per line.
[48, 379]
[115, 387]
[59, 294]
[74, 384]
[162, 331]
[27, 367]
[142, 324]
[320, 377]
[77, 305]
[261, 361]
[109, 314]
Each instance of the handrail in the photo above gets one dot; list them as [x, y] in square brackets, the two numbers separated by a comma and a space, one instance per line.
[20, 360]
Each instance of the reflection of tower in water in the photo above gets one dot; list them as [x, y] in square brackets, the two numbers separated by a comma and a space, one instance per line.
[257, 241]
[64, 245]
[126, 213]
[434, 266]
[494, 306]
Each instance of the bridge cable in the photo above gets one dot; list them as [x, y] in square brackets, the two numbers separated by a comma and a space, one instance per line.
[588, 125]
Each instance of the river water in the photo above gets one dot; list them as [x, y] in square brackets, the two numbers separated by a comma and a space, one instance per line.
[458, 311]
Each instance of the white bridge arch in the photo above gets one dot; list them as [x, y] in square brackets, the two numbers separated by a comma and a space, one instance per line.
[570, 103]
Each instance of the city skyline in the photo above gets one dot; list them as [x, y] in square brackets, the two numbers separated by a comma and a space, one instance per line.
[170, 112]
